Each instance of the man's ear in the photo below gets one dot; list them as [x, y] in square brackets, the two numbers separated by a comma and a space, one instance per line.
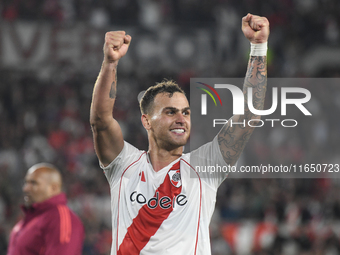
[50, 190]
[146, 121]
[55, 188]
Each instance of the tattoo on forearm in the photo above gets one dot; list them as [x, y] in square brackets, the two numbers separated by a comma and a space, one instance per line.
[232, 144]
[232, 139]
[256, 78]
[113, 91]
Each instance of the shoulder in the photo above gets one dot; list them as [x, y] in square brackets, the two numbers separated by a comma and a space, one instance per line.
[60, 215]
[17, 227]
[128, 154]
[207, 151]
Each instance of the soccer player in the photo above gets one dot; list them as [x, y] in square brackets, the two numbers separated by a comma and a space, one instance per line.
[49, 226]
[160, 204]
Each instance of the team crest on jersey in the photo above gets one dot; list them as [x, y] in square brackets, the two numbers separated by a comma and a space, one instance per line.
[175, 178]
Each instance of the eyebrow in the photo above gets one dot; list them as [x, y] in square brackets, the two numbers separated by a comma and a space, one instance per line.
[30, 181]
[176, 109]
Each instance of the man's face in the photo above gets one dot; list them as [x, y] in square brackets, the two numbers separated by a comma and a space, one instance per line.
[37, 187]
[170, 120]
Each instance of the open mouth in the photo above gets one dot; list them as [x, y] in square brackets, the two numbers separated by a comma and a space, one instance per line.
[178, 130]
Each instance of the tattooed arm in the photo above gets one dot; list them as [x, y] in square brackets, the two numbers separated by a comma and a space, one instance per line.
[107, 135]
[233, 137]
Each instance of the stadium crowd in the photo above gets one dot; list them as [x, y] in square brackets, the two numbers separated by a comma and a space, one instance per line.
[46, 119]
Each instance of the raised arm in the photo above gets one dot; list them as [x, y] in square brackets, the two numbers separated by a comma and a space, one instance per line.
[233, 137]
[107, 135]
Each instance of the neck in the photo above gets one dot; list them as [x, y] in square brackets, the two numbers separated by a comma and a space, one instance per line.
[160, 158]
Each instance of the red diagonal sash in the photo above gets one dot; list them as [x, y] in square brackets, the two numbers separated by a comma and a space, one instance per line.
[148, 220]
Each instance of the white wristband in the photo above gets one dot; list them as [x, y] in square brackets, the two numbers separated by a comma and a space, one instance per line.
[258, 49]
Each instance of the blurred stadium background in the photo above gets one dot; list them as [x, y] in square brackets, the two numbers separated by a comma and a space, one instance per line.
[50, 56]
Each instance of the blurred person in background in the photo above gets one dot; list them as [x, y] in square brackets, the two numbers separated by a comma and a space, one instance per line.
[158, 207]
[49, 227]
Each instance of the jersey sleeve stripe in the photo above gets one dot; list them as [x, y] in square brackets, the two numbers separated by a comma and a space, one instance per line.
[69, 225]
[65, 224]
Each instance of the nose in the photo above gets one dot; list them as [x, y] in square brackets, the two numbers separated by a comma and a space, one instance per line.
[180, 118]
[25, 187]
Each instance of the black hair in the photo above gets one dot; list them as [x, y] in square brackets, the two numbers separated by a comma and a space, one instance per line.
[166, 86]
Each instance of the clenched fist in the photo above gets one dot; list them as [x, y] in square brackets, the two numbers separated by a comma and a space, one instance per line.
[255, 28]
[115, 46]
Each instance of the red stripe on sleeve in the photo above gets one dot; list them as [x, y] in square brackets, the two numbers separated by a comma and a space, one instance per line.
[69, 225]
[148, 220]
[65, 224]
[62, 227]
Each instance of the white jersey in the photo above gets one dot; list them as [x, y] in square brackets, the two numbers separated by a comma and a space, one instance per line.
[166, 212]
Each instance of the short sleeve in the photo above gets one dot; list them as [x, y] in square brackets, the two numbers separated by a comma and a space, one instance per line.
[116, 168]
[208, 162]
